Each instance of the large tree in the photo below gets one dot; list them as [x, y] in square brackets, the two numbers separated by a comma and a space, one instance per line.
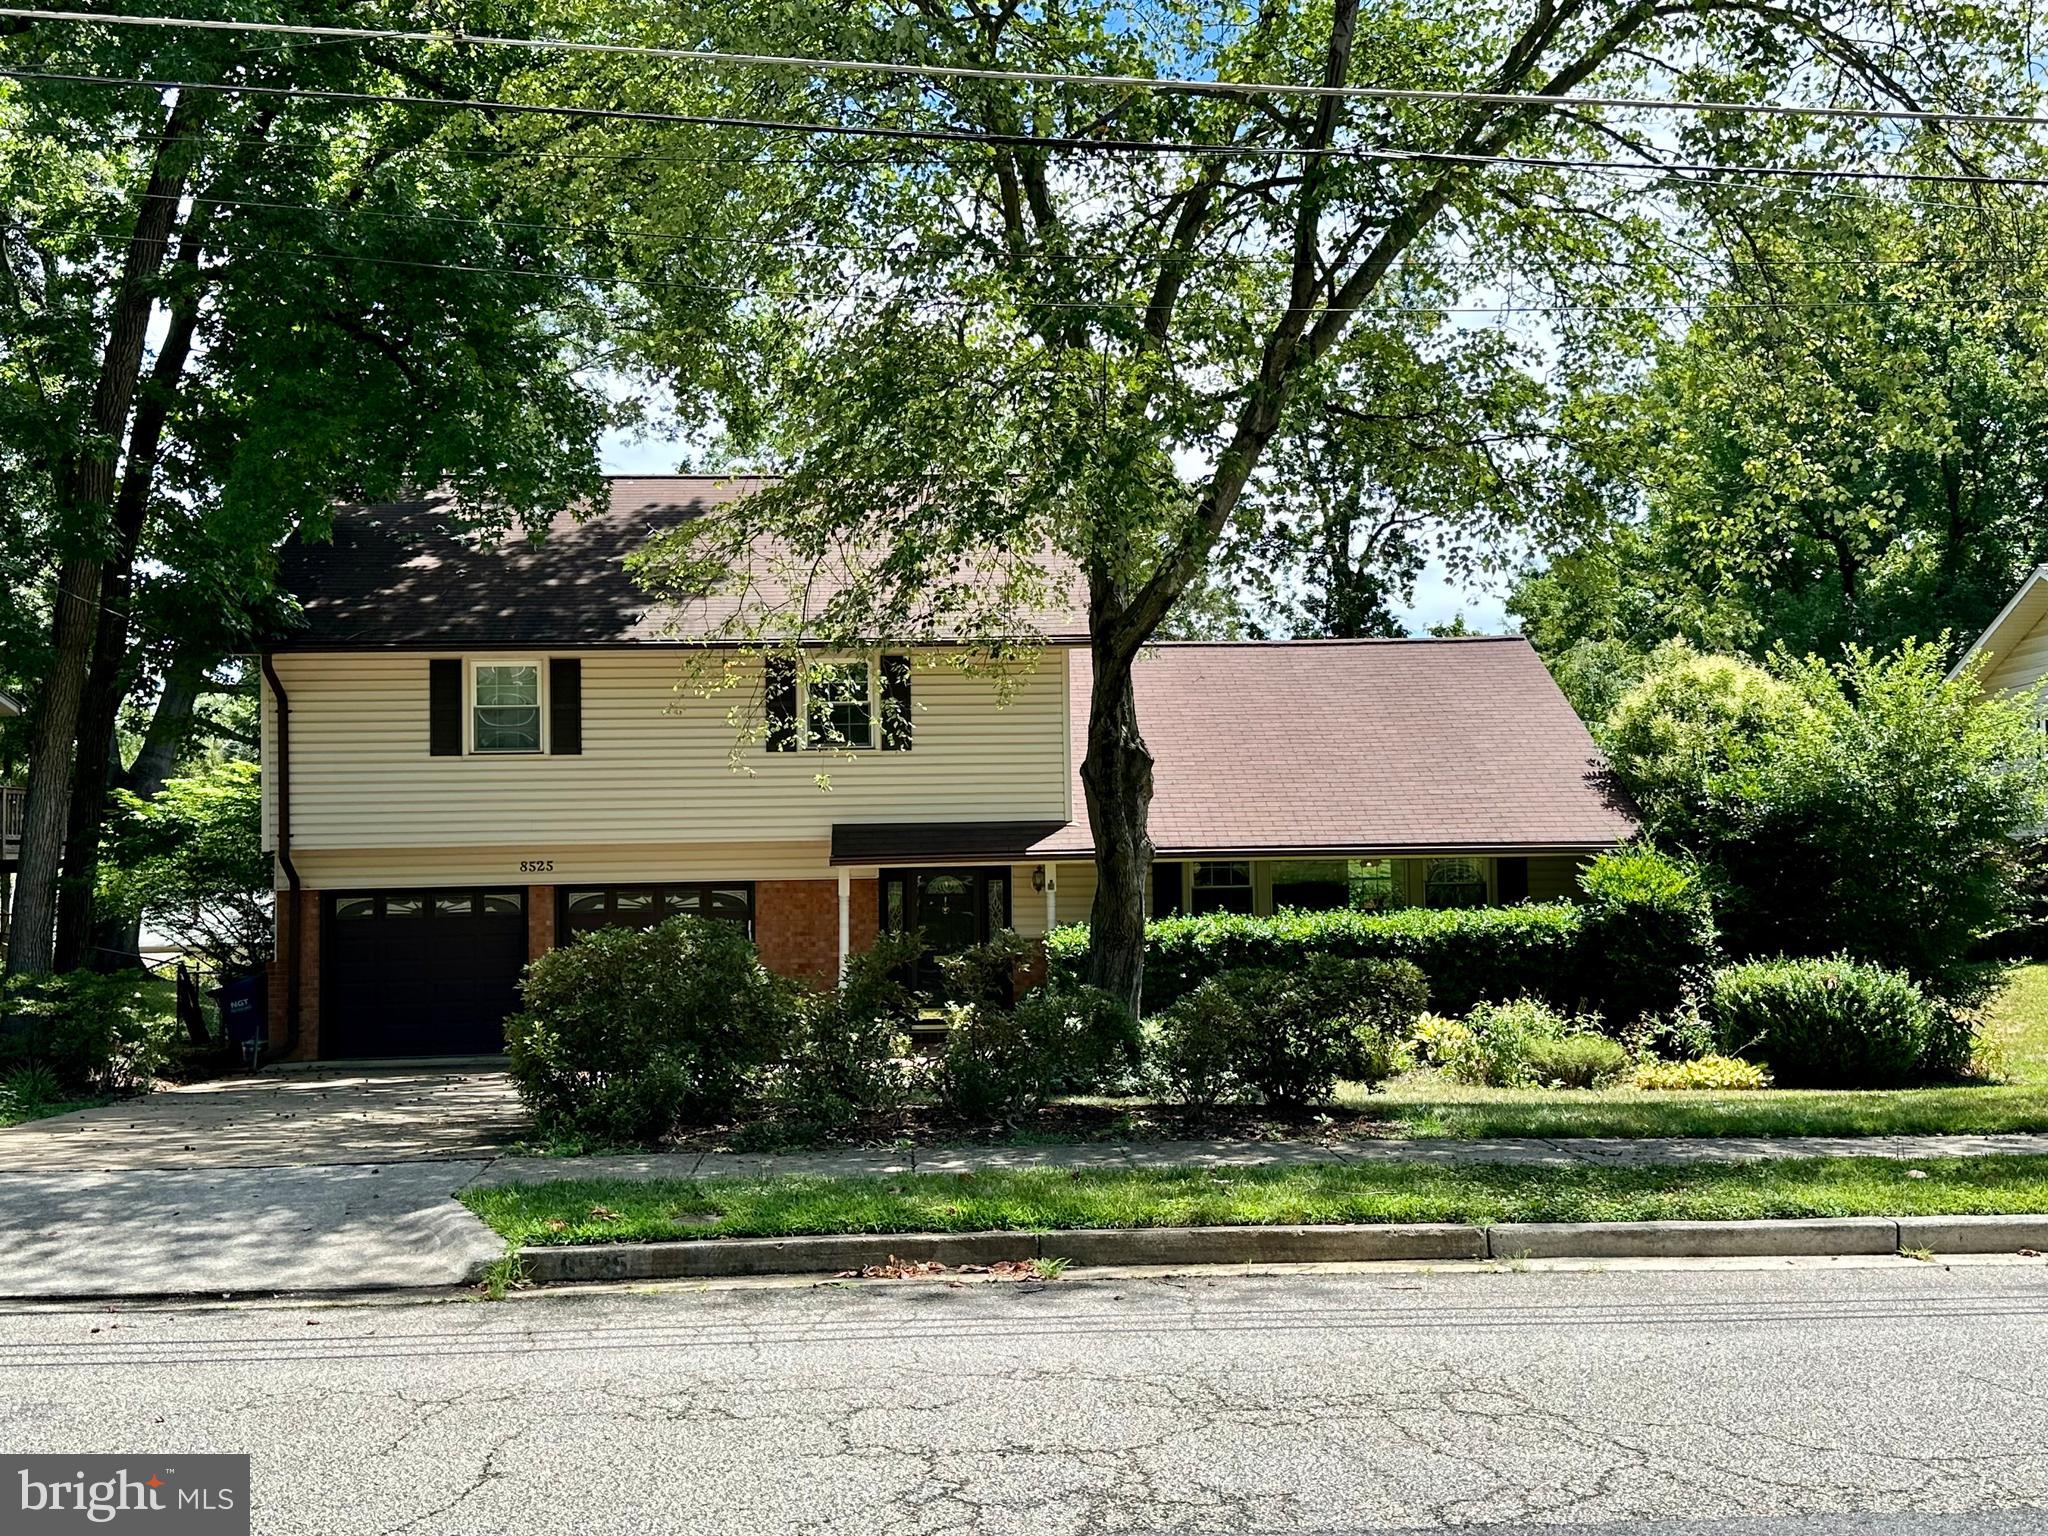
[1843, 448]
[226, 306]
[1025, 316]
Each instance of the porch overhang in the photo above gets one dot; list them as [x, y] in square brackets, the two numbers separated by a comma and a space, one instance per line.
[940, 842]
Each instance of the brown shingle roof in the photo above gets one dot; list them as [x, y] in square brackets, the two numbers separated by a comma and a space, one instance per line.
[1367, 746]
[403, 575]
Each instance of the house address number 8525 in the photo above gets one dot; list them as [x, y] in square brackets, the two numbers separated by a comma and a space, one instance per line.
[536, 866]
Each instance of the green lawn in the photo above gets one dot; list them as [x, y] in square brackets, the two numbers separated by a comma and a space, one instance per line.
[1425, 1104]
[610, 1210]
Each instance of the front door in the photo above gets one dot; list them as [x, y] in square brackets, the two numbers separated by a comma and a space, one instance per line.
[954, 909]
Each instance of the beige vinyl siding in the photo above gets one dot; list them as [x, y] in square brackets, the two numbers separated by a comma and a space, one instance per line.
[1554, 879]
[572, 864]
[2022, 667]
[660, 763]
[1074, 889]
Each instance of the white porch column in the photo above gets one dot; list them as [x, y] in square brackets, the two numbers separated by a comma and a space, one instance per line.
[845, 917]
[1052, 905]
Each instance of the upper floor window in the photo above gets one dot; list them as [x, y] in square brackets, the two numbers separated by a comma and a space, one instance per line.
[840, 706]
[505, 706]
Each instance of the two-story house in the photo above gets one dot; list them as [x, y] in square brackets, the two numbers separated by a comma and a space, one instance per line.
[472, 754]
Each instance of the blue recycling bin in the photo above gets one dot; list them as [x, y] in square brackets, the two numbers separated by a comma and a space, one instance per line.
[244, 1005]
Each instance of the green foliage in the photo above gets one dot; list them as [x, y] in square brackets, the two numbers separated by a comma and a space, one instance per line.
[1466, 953]
[1703, 1074]
[627, 1034]
[1825, 1023]
[1000, 1062]
[1284, 1037]
[845, 1058]
[81, 1034]
[1849, 465]
[1865, 806]
[191, 861]
[1649, 933]
[1578, 1061]
[984, 974]
[1498, 1045]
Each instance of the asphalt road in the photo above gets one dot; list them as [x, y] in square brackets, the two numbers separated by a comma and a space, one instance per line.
[1819, 1401]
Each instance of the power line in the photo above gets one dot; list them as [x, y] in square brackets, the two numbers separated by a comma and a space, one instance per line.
[1161, 83]
[1687, 308]
[1694, 171]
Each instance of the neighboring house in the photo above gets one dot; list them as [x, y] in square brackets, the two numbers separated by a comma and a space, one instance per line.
[471, 756]
[2015, 646]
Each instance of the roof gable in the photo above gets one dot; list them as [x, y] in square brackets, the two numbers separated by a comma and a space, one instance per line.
[2015, 622]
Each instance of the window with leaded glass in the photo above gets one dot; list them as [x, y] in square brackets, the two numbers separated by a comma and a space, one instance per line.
[1454, 883]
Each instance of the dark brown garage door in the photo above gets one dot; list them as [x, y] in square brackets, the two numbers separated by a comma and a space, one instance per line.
[419, 973]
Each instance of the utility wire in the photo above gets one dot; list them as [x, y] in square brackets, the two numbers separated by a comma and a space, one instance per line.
[594, 286]
[1169, 84]
[1685, 170]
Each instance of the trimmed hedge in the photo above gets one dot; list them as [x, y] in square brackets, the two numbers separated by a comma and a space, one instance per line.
[1467, 954]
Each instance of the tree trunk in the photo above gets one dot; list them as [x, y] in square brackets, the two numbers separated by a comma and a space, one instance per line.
[85, 497]
[49, 771]
[1116, 775]
[170, 726]
[108, 679]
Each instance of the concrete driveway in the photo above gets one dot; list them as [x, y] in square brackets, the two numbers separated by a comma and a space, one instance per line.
[282, 1119]
[327, 1180]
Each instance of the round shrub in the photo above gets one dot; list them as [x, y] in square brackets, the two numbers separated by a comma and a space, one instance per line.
[1578, 1061]
[627, 1034]
[1284, 1037]
[1649, 933]
[1000, 1062]
[1824, 1023]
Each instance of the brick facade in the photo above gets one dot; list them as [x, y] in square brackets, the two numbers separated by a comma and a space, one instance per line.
[865, 897]
[796, 928]
[298, 922]
[540, 920]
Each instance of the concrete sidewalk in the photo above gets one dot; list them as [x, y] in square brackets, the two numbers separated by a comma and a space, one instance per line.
[1557, 1152]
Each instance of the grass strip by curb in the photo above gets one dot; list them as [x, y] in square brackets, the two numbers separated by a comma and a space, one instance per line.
[1043, 1200]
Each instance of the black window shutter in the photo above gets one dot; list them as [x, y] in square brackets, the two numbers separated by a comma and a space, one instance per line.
[897, 727]
[1166, 889]
[779, 703]
[444, 708]
[1513, 880]
[565, 705]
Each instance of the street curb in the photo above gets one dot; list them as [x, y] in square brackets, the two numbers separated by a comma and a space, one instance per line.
[709, 1258]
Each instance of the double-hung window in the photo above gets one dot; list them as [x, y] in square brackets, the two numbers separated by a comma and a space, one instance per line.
[840, 706]
[505, 710]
